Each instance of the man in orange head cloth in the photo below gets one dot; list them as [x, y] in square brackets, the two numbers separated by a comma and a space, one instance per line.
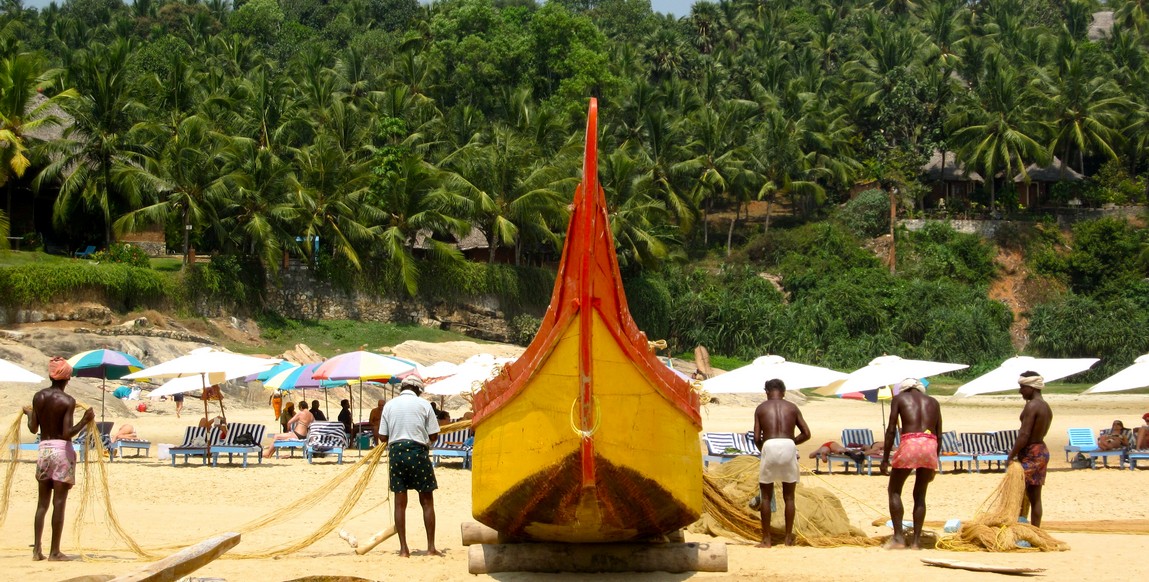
[51, 415]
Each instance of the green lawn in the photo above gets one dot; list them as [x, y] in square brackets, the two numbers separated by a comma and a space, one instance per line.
[16, 258]
[166, 264]
[338, 336]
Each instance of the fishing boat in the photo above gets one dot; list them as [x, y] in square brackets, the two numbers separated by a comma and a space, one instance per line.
[587, 437]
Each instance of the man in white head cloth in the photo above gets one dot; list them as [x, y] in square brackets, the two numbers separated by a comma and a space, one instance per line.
[1030, 449]
[408, 427]
[920, 419]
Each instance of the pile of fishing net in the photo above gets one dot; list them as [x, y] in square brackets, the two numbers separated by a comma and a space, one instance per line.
[92, 495]
[997, 529]
[819, 521]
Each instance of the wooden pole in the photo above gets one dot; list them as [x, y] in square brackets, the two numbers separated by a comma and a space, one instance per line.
[183, 562]
[370, 543]
[586, 558]
[474, 533]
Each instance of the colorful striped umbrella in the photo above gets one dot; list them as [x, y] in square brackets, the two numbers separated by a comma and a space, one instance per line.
[302, 378]
[363, 366]
[267, 374]
[104, 364]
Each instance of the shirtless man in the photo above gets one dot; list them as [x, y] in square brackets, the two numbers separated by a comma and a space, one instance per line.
[1142, 434]
[920, 418]
[51, 415]
[774, 424]
[373, 418]
[1030, 449]
[297, 428]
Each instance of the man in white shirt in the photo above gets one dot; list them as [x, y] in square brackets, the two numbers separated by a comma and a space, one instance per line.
[408, 427]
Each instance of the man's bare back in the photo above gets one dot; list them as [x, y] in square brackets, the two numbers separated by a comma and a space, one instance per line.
[777, 419]
[51, 417]
[915, 412]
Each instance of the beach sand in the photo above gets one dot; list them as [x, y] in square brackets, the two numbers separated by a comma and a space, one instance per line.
[164, 506]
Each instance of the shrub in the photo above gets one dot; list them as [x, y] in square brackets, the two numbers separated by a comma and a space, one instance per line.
[524, 327]
[120, 286]
[938, 252]
[1086, 327]
[868, 214]
[650, 304]
[124, 253]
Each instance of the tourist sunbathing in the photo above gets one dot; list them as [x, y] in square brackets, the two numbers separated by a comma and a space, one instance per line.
[1115, 440]
[296, 429]
[1143, 434]
[857, 453]
[126, 432]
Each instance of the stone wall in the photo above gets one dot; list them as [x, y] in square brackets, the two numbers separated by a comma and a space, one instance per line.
[1065, 219]
[300, 296]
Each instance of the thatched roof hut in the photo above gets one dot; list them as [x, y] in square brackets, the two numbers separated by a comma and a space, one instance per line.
[953, 171]
[1051, 173]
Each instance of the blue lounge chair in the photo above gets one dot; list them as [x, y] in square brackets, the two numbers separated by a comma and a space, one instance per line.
[1081, 440]
[952, 452]
[457, 443]
[724, 446]
[251, 436]
[83, 254]
[325, 438]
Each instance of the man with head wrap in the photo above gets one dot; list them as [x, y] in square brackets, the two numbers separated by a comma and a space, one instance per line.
[920, 419]
[1030, 449]
[408, 427]
[51, 415]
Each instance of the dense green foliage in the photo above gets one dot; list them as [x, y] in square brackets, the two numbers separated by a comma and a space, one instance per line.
[843, 307]
[117, 285]
[363, 138]
[122, 253]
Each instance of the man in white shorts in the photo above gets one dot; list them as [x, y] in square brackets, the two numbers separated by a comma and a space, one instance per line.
[774, 424]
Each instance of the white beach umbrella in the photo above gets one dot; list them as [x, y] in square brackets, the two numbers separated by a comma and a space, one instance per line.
[1131, 378]
[750, 379]
[436, 370]
[10, 372]
[888, 370]
[202, 368]
[1004, 377]
[472, 373]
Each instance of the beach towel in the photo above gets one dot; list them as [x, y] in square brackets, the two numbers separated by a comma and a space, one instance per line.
[778, 462]
[919, 450]
[57, 462]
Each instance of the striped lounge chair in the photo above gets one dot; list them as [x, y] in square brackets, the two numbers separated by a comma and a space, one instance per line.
[195, 444]
[232, 445]
[852, 438]
[952, 452]
[325, 438]
[1132, 455]
[457, 443]
[984, 446]
[723, 446]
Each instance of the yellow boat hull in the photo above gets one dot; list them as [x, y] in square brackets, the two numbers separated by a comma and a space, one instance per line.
[527, 480]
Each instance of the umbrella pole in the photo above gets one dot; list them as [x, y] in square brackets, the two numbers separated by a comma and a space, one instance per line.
[203, 393]
[103, 393]
[883, 403]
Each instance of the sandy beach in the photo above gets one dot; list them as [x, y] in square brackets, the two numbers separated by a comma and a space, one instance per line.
[161, 505]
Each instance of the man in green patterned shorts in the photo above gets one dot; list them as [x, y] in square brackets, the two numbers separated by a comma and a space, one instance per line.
[408, 427]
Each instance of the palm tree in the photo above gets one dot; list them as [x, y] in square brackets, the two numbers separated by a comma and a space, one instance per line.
[639, 222]
[331, 201]
[512, 196]
[189, 179]
[1086, 109]
[24, 112]
[997, 126]
[97, 142]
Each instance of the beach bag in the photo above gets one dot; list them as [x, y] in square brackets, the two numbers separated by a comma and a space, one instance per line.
[245, 440]
[1081, 462]
[198, 442]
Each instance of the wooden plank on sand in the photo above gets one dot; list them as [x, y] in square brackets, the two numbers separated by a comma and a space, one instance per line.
[975, 567]
[183, 562]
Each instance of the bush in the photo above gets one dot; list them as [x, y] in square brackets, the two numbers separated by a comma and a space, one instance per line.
[123, 253]
[233, 282]
[1104, 256]
[120, 286]
[1085, 327]
[524, 328]
[938, 252]
[650, 304]
[868, 214]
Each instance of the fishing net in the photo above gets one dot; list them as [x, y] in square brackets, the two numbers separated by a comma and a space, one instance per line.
[819, 521]
[996, 529]
[93, 503]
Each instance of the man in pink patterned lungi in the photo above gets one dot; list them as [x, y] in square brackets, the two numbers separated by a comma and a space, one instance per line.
[51, 415]
[920, 418]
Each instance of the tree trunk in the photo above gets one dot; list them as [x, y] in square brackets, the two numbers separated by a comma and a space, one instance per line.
[187, 236]
[769, 207]
[893, 223]
[730, 231]
[492, 246]
[705, 230]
